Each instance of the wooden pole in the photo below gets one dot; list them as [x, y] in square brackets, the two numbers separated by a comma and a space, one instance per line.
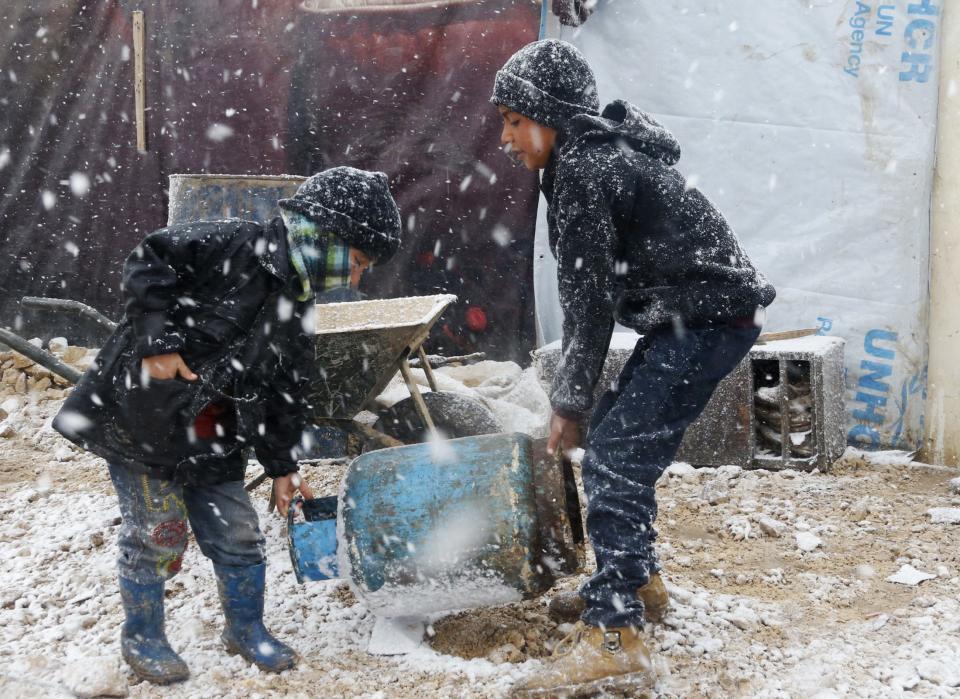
[418, 402]
[139, 81]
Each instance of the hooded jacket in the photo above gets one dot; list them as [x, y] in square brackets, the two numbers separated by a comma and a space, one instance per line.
[223, 295]
[634, 244]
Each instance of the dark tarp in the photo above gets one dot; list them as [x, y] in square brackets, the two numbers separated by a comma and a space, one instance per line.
[248, 86]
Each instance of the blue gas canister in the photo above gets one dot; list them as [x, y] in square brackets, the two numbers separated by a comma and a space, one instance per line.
[456, 524]
[313, 542]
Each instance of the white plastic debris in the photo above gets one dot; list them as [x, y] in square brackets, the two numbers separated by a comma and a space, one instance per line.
[95, 677]
[57, 345]
[808, 541]
[743, 618]
[938, 673]
[908, 575]
[679, 469]
[771, 527]
[944, 515]
[396, 636]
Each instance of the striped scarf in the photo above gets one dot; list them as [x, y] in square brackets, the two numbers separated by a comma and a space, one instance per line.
[321, 259]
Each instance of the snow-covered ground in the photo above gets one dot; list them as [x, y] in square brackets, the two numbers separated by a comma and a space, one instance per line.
[778, 580]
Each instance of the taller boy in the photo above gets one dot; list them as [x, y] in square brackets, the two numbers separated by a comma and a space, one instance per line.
[634, 244]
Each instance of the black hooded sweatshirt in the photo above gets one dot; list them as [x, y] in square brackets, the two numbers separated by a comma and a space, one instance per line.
[634, 244]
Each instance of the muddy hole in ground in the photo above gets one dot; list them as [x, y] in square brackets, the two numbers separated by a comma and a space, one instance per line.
[512, 633]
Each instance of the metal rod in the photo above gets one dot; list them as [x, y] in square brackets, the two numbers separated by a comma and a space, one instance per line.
[364, 432]
[437, 361]
[418, 403]
[784, 399]
[139, 81]
[68, 305]
[41, 357]
[427, 369]
[252, 485]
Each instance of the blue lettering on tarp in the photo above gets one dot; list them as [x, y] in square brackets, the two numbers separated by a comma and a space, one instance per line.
[874, 410]
[885, 20]
[870, 343]
[872, 380]
[873, 391]
[913, 386]
[919, 38]
[864, 436]
[826, 324]
[857, 23]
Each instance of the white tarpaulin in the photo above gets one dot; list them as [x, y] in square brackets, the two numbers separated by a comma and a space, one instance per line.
[812, 127]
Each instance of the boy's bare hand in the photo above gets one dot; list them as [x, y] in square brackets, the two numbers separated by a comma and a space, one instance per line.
[167, 366]
[564, 433]
[285, 487]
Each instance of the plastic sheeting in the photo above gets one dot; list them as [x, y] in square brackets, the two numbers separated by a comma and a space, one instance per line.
[812, 126]
[264, 87]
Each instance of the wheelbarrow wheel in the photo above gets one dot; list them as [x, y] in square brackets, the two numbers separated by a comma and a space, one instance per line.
[454, 415]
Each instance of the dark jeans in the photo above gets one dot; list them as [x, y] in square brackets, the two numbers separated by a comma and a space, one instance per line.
[155, 513]
[635, 432]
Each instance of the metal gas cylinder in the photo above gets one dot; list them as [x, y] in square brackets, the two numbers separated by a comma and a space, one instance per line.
[457, 524]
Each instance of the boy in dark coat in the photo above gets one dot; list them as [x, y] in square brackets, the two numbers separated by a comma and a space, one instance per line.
[633, 244]
[214, 354]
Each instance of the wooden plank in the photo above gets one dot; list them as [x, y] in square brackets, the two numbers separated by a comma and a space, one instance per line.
[139, 81]
[786, 335]
[427, 369]
[418, 402]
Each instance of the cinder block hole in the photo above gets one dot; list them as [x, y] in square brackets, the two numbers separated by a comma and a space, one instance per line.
[785, 423]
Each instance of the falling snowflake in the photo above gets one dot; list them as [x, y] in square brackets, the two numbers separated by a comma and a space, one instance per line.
[79, 184]
[501, 235]
[219, 132]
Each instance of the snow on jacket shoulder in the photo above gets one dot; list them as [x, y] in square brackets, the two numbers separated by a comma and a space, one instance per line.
[634, 244]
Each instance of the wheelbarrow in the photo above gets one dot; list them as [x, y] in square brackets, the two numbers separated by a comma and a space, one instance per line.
[359, 348]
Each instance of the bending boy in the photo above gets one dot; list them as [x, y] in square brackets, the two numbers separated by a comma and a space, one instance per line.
[215, 354]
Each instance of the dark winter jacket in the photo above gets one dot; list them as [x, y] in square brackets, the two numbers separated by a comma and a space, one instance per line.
[220, 294]
[634, 244]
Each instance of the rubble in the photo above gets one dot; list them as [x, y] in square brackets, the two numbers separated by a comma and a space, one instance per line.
[751, 613]
[96, 677]
[24, 377]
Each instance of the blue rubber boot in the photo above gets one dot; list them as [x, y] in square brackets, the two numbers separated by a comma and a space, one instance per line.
[143, 642]
[241, 594]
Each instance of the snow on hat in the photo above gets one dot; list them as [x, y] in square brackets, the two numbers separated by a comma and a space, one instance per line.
[354, 204]
[548, 81]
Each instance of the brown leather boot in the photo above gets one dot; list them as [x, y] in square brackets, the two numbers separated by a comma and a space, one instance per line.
[656, 599]
[591, 661]
[566, 607]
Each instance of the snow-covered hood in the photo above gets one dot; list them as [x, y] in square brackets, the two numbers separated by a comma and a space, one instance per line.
[630, 127]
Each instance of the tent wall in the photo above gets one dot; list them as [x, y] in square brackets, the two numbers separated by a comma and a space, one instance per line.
[812, 127]
[241, 86]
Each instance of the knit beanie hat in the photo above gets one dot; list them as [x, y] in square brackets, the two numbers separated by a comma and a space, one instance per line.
[354, 204]
[548, 81]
